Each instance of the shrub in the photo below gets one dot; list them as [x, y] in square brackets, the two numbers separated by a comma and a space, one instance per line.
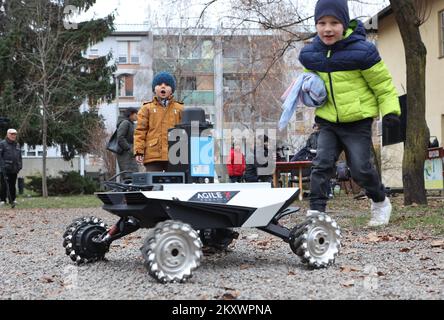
[70, 182]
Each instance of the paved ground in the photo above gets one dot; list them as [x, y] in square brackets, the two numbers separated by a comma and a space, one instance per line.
[382, 264]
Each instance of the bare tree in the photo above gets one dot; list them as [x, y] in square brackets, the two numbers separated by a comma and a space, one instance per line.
[97, 146]
[417, 131]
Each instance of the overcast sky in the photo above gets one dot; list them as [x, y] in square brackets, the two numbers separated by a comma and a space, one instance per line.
[143, 11]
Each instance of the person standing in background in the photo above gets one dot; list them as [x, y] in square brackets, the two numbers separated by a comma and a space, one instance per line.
[125, 138]
[10, 165]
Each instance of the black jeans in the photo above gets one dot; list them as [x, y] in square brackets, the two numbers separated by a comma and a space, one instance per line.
[356, 140]
[12, 178]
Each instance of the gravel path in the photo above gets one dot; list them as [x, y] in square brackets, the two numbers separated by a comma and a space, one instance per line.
[372, 265]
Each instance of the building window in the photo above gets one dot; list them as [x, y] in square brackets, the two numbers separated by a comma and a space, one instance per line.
[134, 47]
[191, 49]
[31, 152]
[126, 86]
[187, 83]
[441, 24]
[236, 48]
[122, 52]
[207, 49]
[233, 82]
[128, 52]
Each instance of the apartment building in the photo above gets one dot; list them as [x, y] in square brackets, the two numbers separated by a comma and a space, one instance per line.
[237, 77]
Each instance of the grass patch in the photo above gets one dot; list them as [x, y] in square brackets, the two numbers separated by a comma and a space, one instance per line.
[428, 218]
[421, 218]
[359, 221]
[81, 201]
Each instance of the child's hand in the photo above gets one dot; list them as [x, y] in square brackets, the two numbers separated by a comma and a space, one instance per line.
[139, 159]
[391, 120]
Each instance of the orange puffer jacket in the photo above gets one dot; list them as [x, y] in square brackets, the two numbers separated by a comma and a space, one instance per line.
[151, 133]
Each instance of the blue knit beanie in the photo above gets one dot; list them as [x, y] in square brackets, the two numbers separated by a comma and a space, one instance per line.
[164, 77]
[335, 8]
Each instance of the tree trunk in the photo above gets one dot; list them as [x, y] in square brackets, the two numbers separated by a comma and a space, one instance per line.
[44, 142]
[417, 131]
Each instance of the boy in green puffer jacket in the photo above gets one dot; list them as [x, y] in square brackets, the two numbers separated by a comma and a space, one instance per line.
[359, 88]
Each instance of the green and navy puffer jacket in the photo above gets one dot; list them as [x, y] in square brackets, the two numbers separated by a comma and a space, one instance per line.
[358, 82]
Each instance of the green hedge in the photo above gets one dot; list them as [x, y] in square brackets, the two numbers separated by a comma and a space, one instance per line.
[70, 182]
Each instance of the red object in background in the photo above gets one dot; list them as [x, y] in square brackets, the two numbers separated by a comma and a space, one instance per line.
[235, 167]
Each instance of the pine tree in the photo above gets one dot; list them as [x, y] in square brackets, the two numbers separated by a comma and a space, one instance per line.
[44, 77]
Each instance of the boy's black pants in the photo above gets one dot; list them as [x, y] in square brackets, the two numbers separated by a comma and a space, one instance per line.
[12, 178]
[356, 140]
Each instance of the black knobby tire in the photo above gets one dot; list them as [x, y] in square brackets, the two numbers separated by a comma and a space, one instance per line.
[78, 240]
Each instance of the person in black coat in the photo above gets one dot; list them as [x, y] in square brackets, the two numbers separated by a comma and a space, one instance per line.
[10, 165]
[125, 138]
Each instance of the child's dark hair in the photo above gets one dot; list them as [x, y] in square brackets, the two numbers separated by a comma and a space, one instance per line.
[130, 111]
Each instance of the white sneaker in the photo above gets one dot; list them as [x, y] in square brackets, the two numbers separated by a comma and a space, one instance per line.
[380, 213]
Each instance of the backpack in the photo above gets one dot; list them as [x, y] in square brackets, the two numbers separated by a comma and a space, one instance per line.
[113, 144]
[303, 155]
[342, 171]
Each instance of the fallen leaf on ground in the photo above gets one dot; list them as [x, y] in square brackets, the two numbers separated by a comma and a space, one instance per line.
[47, 279]
[405, 250]
[438, 243]
[291, 273]
[373, 237]
[265, 244]
[244, 266]
[228, 289]
[348, 283]
[425, 258]
[385, 237]
[436, 268]
[349, 269]
[231, 295]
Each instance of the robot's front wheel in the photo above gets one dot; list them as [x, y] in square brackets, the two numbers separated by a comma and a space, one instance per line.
[172, 251]
[316, 241]
[78, 240]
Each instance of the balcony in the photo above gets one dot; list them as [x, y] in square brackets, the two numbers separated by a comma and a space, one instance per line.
[237, 65]
[196, 97]
[194, 66]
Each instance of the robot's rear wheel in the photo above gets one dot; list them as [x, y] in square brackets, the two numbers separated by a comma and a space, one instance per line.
[172, 251]
[218, 239]
[317, 241]
[78, 240]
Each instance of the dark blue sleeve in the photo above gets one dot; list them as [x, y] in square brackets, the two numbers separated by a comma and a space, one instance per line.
[372, 57]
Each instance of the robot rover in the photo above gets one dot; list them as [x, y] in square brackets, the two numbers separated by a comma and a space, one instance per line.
[183, 215]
